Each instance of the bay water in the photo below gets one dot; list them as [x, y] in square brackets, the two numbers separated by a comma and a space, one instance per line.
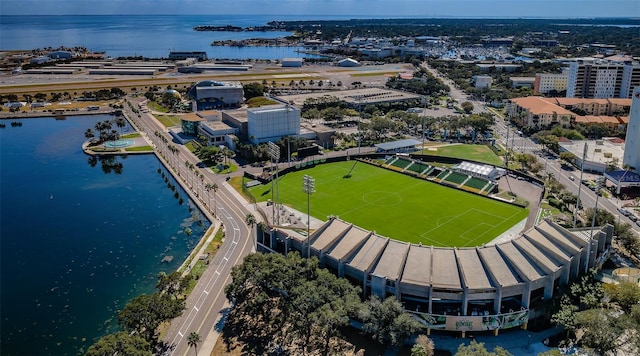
[151, 36]
[77, 243]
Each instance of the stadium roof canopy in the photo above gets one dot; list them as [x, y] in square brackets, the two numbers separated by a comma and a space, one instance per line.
[479, 169]
[397, 145]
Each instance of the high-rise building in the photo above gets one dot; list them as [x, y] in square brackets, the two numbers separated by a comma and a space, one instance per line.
[632, 142]
[602, 79]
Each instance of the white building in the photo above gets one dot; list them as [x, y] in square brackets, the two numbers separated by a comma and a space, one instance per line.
[348, 62]
[270, 123]
[602, 79]
[632, 144]
[482, 81]
[546, 82]
[292, 62]
[600, 155]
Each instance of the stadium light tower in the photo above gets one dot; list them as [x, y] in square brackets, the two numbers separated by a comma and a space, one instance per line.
[359, 119]
[584, 157]
[274, 153]
[308, 186]
[599, 184]
[424, 116]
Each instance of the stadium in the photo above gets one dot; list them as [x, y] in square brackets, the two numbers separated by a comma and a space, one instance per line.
[451, 277]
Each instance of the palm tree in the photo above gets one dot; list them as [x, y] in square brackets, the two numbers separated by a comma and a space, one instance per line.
[121, 123]
[193, 340]
[89, 134]
[214, 187]
[250, 219]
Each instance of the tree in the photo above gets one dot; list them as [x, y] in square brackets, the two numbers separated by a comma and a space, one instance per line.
[549, 141]
[386, 321]
[480, 123]
[193, 340]
[423, 346]
[467, 106]
[120, 122]
[89, 134]
[567, 157]
[627, 238]
[478, 349]
[252, 90]
[170, 283]
[144, 313]
[626, 294]
[566, 316]
[214, 187]
[600, 329]
[381, 126]
[250, 219]
[120, 343]
[287, 301]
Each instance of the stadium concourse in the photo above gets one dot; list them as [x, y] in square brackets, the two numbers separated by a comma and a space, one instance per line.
[491, 287]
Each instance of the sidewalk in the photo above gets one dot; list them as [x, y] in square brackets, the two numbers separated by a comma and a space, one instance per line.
[517, 341]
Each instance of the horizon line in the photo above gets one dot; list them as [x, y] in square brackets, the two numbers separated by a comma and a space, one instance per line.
[364, 17]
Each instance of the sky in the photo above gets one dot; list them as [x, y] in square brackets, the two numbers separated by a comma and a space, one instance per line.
[359, 8]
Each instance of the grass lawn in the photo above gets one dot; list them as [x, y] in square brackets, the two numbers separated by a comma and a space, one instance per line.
[168, 120]
[157, 107]
[396, 205]
[480, 153]
[139, 149]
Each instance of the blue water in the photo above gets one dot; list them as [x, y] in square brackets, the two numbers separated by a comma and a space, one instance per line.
[152, 36]
[76, 243]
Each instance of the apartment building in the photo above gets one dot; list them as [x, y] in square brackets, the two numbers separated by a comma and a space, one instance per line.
[547, 82]
[602, 79]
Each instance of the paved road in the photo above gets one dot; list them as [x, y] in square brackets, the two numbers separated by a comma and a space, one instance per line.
[205, 302]
[571, 179]
[508, 135]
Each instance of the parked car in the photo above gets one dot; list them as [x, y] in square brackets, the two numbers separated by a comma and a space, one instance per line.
[624, 211]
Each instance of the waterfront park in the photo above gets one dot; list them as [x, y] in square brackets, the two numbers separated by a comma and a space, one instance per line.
[394, 205]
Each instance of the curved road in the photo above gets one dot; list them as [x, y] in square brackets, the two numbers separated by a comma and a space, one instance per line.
[206, 301]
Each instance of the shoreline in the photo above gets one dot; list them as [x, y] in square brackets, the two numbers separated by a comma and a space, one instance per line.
[211, 231]
[57, 116]
[209, 234]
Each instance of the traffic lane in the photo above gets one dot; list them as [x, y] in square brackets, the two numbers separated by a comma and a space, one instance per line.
[587, 196]
[202, 317]
[203, 313]
[202, 296]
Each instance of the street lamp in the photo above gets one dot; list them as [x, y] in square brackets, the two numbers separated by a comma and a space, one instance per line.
[308, 186]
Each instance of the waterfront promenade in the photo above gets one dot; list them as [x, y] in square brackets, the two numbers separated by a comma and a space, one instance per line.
[226, 209]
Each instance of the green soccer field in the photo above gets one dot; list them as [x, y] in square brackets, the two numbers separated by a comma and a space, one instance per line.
[397, 206]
